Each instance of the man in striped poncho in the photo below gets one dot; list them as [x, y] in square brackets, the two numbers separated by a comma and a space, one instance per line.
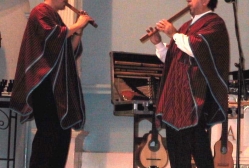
[193, 94]
[47, 86]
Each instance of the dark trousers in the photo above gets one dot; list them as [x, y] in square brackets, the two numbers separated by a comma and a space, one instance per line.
[191, 142]
[51, 143]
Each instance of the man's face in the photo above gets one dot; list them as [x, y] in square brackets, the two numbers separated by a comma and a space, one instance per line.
[197, 6]
[59, 4]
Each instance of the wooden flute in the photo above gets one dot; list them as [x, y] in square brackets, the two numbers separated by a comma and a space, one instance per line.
[172, 19]
[79, 13]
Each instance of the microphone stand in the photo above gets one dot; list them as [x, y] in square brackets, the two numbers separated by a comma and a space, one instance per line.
[241, 82]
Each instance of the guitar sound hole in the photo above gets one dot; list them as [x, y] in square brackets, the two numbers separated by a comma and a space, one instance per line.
[223, 150]
[154, 146]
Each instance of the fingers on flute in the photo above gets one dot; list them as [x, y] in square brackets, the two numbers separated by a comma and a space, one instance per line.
[149, 29]
[83, 12]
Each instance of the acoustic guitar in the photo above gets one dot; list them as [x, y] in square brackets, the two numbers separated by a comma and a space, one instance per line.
[151, 152]
[223, 150]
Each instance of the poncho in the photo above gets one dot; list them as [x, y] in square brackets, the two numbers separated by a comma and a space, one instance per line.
[47, 52]
[195, 86]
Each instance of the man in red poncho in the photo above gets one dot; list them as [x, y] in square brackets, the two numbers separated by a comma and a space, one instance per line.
[47, 86]
[193, 92]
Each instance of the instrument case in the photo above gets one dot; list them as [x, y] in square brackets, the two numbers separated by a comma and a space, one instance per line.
[135, 78]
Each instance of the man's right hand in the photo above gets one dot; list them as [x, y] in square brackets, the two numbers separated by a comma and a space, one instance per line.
[156, 37]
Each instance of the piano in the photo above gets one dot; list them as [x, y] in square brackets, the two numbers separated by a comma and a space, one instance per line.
[135, 79]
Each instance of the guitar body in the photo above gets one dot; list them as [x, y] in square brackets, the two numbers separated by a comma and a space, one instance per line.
[153, 154]
[223, 159]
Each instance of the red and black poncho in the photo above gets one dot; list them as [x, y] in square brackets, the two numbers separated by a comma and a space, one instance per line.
[47, 52]
[194, 86]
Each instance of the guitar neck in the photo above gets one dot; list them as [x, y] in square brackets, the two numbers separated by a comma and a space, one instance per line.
[224, 134]
[154, 130]
[153, 90]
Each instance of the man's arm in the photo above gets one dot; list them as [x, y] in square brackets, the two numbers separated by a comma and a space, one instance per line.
[77, 29]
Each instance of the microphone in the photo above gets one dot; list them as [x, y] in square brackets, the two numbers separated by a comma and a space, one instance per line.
[229, 1]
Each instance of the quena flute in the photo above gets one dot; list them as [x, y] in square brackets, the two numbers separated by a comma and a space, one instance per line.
[79, 13]
[172, 19]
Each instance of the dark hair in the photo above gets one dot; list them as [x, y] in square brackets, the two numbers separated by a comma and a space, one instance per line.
[212, 4]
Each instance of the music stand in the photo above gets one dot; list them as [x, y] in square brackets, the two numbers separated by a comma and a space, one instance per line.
[241, 81]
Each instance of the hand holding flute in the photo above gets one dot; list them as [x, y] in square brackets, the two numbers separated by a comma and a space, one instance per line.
[166, 27]
[154, 35]
[83, 20]
[163, 26]
[80, 13]
[160, 25]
